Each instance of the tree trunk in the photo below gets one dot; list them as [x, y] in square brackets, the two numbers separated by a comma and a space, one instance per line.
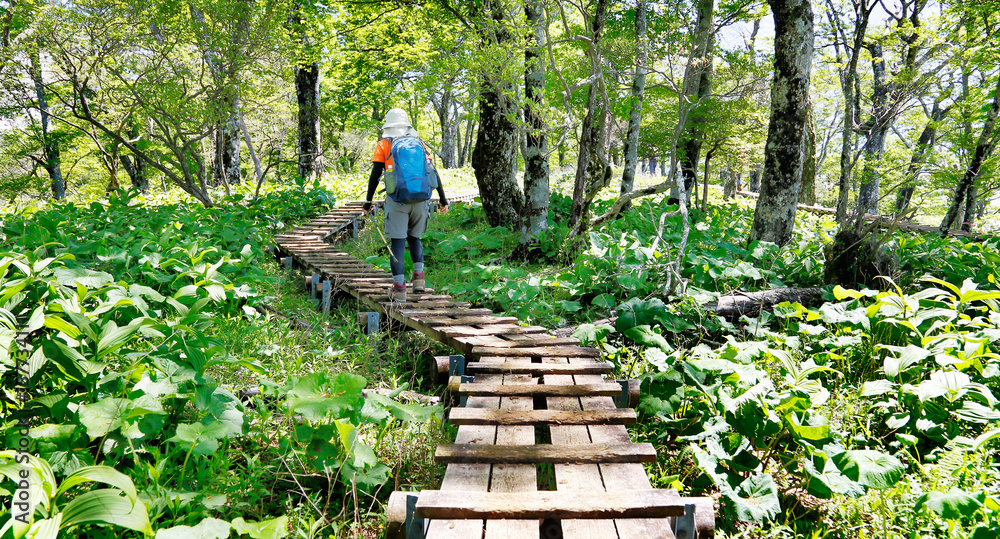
[697, 86]
[592, 169]
[807, 193]
[536, 161]
[495, 155]
[729, 183]
[984, 147]
[848, 81]
[754, 180]
[774, 216]
[878, 126]
[704, 191]
[925, 143]
[307, 91]
[736, 304]
[638, 89]
[50, 147]
[227, 142]
[970, 208]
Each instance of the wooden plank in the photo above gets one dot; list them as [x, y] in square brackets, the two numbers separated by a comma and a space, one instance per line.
[576, 390]
[539, 368]
[514, 477]
[593, 453]
[548, 504]
[575, 477]
[477, 416]
[538, 351]
[466, 320]
[521, 341]
[621, 477]
[468, 477]
[490, 329]
[417, 313]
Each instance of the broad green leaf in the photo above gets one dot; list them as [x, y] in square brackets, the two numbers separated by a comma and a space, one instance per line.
[872, 469]
[99, 474]
[107, 506]
[590, 333]
[645, 335]
[902, 358]
[606, 301]
[951, 505]
[276, 528]
[204, 439]
[209, 528]
[103, 416]
[756, 499]
[638, 312]
[83, 276]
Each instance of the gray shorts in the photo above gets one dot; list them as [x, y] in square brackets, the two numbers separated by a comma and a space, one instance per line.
[403, 220]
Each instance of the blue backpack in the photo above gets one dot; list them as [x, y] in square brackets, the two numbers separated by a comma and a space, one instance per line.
[413, 178]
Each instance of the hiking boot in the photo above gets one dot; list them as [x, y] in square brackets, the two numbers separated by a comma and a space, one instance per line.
[398, 293]
[419, 285]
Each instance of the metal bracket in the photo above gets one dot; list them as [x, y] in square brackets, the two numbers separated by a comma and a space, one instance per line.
[354, 228]
[372, 327]
[456, 365]
[621, 401]
[416, 528]
[288, 262]
[314, 285]
[463, 400]
[684, 526]
[327, 292]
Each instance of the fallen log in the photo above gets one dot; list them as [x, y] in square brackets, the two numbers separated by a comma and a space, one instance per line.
[736, 304]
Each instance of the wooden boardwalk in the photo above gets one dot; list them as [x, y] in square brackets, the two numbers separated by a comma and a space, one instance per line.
[532, 402]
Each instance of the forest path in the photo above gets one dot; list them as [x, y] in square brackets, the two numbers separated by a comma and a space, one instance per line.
[541, 449]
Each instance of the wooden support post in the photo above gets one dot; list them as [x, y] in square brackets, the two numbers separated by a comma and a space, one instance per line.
[629, 397]
[327, 292]
[314, 286]
[369, 322]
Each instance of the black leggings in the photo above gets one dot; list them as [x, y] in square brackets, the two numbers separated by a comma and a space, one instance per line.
[396, 260]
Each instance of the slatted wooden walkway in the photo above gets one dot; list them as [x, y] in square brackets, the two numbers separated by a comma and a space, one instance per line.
[535, 402]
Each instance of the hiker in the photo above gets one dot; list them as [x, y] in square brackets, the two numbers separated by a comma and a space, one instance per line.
[410, 177]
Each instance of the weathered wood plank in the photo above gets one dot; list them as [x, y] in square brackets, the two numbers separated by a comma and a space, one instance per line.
[548, 504]
[490, 329]
[593, 453]
[577, 390]
[539, 368]
[465, 320]
[478, 416]
[575, 477]
[513, 477]
[537, 351]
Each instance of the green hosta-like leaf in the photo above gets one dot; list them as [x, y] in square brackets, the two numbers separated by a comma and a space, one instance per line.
[817, 430]
[951, 505]
[104, 416]
[107, 506]
[408, 413]
[606, 301]
[590, 333]
[638, 312]
[830, 481]
[99, 474]
[43, 529]
[83, 276]
[203, 438]
[209, 528]
[872, 469]
[276, 528]
[645, 335]
[951, 385]
[756, 499]
[902, 358]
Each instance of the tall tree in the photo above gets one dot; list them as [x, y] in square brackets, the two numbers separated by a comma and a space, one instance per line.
[984, 148]
[924, 145]
[307, 94]
[536, 154]
[50, 145]
[592, 169]
[638, 89]
[774, 216]
[697, 88]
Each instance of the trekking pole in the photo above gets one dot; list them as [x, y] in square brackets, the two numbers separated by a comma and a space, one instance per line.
[386, 243]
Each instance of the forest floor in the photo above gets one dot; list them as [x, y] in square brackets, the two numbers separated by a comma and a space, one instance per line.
[871, 415]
